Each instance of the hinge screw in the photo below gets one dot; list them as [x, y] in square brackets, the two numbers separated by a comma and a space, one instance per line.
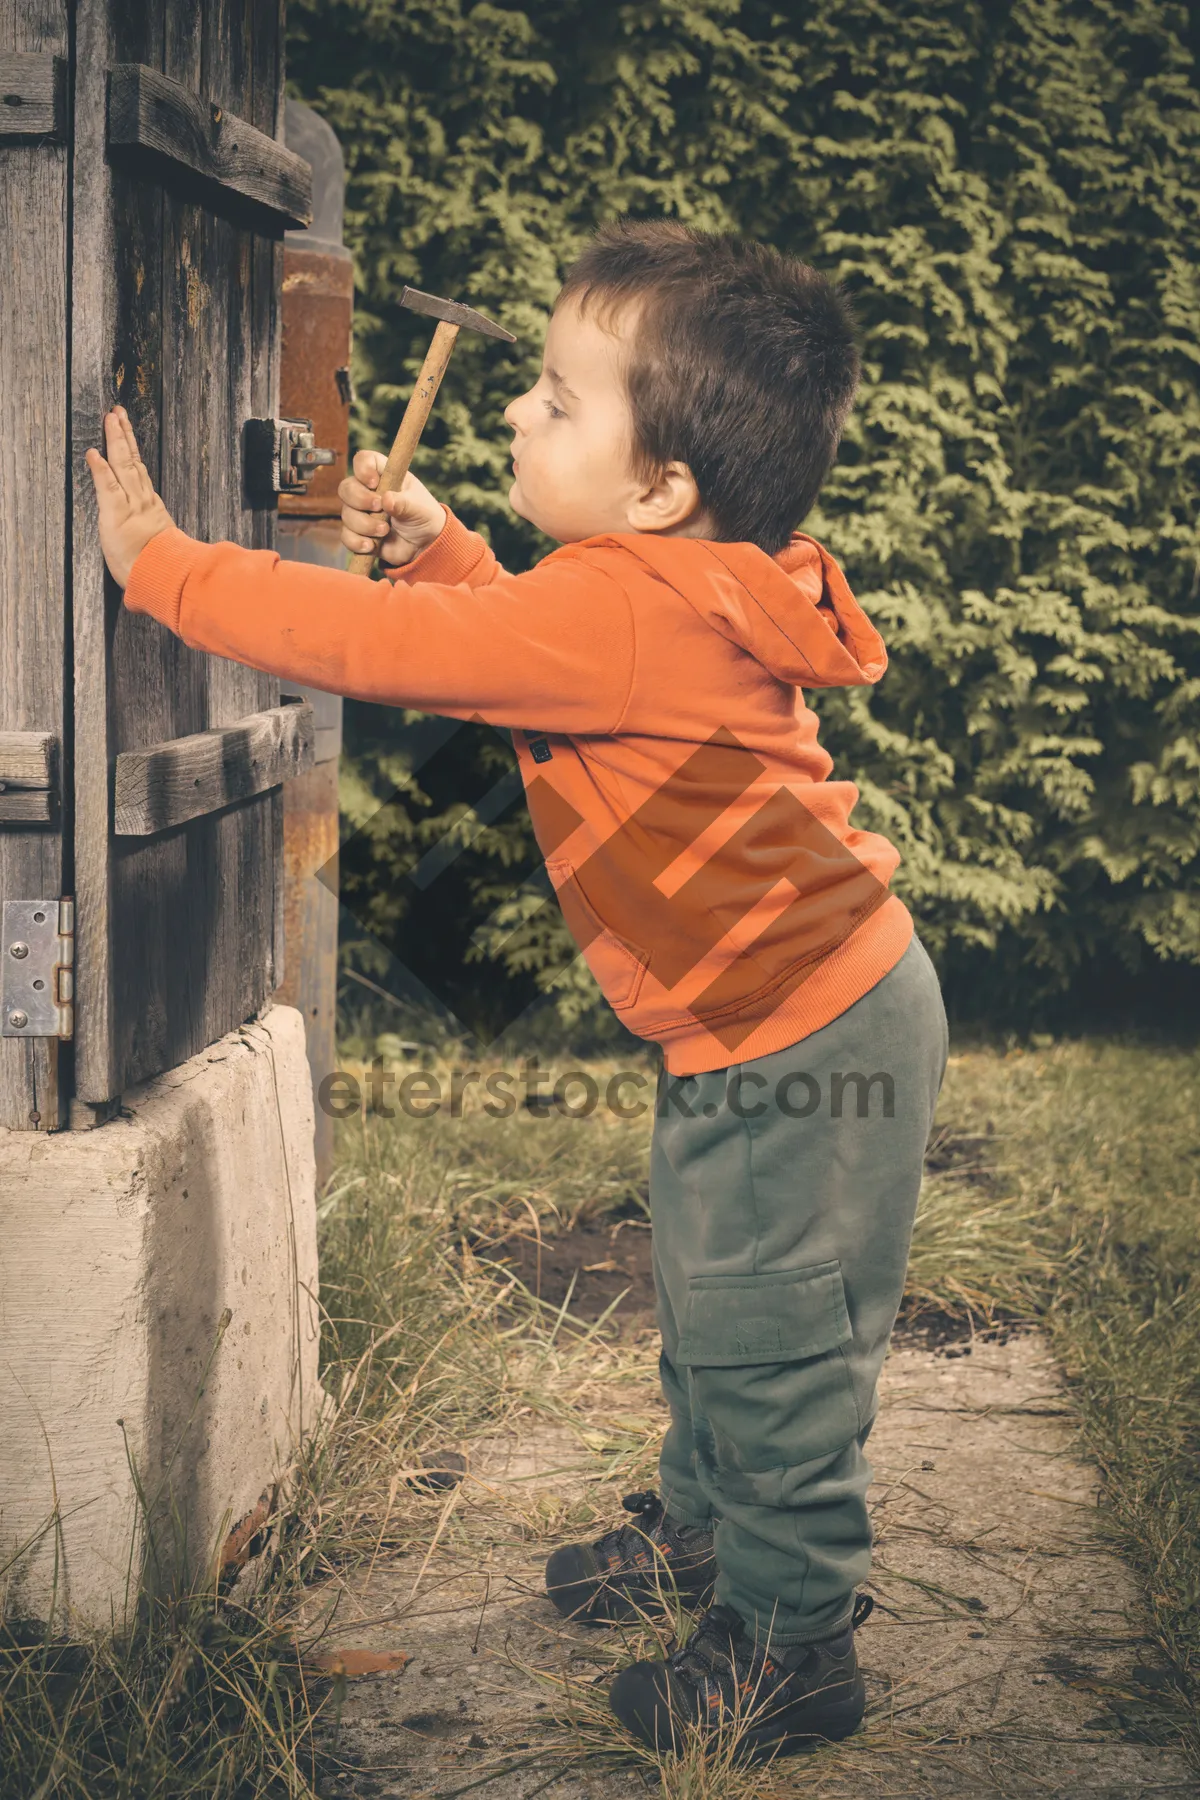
[18, 1020]
[18, 950]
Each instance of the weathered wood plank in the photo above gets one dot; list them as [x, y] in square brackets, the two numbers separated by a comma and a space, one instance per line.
[204, 914]
[266, 278]
[33, 96]
[27, 759]
[148, 700]
[26, 806]
[248, 840]
[158, 687]
[115, 355]
[151, 112]
[174, 883]
[266, 110]
[33, 404]
[167, 784]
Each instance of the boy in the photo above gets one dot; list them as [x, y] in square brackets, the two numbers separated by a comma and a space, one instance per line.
[691, 400]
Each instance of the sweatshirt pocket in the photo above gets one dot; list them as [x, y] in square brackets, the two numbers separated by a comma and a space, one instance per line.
[771, 1389]
[619, 966]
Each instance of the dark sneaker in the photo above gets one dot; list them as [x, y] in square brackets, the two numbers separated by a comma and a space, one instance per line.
[771, 1702]
[627, 1570]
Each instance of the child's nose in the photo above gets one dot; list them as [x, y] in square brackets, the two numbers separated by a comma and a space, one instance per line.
[515, 411]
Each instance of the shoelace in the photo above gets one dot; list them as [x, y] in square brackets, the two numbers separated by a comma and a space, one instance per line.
[709, 1662]
[712, 1648]
[628, 1543]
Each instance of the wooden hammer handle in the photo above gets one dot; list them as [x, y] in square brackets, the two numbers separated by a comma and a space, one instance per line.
[411, 427]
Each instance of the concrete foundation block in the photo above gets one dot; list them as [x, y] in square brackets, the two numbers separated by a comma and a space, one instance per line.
[158, 1302]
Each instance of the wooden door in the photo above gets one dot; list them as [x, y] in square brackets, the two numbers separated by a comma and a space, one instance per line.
[178, 189]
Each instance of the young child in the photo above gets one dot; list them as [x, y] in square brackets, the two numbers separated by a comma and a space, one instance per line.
[691, 399]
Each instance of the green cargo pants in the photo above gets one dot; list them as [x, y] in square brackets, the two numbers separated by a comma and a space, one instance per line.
[782, 1195]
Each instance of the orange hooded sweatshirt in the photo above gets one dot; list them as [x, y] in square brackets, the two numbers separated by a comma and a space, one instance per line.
[702, 857]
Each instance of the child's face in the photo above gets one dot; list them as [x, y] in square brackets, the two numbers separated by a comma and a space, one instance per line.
[573, 444]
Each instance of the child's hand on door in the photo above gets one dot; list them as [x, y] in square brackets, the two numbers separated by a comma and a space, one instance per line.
[131, 513]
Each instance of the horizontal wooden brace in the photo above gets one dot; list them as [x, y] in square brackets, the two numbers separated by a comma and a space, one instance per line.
[150, 112]
[27, 759]
[33, 96]
[26, 806]
[28, 776]
[168, 784]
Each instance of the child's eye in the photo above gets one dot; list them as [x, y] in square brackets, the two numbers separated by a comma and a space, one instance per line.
[555, 412]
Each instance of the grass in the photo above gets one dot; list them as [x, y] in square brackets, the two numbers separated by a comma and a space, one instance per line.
[1063, 1186]
[1102, 1140]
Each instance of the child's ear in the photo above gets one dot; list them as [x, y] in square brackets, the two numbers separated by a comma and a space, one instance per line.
[670, 502]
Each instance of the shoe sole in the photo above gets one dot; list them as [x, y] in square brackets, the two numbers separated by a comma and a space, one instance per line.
[788, 1732]
[780, 1738]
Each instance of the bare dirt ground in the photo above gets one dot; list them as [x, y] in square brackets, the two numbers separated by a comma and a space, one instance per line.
[1005, 1657]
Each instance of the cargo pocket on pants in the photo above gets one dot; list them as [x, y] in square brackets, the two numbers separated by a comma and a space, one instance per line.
[769, 1382]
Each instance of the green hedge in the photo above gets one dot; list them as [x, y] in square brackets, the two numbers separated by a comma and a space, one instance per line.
[1011, 193]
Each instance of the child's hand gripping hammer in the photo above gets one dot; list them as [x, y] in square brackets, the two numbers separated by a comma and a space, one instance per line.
[451, 317]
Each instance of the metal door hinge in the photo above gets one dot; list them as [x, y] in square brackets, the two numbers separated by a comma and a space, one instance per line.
[281, 456]
[37, 992]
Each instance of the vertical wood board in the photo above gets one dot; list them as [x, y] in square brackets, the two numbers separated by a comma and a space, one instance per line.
[33, 405]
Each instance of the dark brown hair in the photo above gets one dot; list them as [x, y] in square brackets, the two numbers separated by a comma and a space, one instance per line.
[742, 365]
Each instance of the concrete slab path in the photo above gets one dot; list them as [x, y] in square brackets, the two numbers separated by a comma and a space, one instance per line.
[1006, 1647]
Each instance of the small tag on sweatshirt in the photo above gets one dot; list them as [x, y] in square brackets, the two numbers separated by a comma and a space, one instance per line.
[539, 748]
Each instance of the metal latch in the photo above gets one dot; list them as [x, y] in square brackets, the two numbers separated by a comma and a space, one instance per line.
[37, 992]
[280, 457]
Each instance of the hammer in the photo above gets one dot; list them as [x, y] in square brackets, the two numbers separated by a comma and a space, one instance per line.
[451, 316]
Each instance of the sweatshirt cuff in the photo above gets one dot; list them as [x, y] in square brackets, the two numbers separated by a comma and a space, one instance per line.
[158, 575]
[451, 557]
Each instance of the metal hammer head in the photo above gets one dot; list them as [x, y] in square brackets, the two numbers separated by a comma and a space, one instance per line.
[454, 313]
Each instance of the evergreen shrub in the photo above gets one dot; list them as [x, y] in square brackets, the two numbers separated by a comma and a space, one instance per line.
[1011, 192]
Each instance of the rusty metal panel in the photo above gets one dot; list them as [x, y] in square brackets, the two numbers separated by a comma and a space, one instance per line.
[318, 304]
[310, 924]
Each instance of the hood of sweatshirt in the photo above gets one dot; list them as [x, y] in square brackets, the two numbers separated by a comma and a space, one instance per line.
[794, 612]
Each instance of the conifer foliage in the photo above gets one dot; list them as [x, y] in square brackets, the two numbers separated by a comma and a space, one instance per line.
[1011, 192]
